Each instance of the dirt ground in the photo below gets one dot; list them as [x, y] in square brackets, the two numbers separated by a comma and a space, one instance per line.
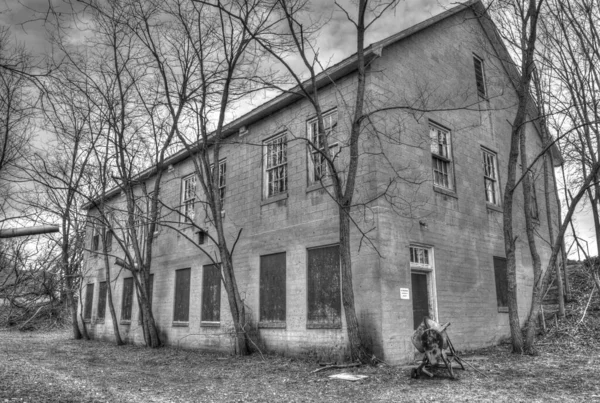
[50, 367]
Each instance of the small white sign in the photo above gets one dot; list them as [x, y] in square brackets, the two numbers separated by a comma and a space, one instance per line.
[404, 293]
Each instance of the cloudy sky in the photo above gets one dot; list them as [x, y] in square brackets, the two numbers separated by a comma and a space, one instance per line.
[336, 41]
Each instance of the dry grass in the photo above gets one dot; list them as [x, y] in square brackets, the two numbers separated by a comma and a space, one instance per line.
[49, 367]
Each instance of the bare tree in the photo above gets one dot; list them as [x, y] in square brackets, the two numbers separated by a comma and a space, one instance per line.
[16, 119]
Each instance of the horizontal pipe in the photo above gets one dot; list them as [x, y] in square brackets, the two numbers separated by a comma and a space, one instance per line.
[15, 232]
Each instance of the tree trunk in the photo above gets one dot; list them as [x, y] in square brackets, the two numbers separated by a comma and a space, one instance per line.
[151, 334]
[549, 170]
[72, 307]
[111, 308]
[358, 351]
[537, 291]
[236, 305]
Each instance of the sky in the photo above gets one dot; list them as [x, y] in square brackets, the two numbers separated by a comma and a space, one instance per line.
[335, 42]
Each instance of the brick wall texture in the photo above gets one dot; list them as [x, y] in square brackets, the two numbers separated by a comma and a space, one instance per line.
[429, 76]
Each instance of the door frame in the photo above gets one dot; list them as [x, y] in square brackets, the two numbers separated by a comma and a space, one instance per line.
[429, 270]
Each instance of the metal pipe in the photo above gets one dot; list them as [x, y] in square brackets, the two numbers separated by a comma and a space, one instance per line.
[15, 232]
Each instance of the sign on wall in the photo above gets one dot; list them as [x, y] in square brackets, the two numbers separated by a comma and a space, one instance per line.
[404, 293]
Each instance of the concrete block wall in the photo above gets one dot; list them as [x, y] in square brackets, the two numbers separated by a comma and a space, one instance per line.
[462, 230]
[306, 218]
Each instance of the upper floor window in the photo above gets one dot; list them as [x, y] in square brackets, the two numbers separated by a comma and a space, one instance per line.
[318, 166]
[221, 179]
[276, 166]
[490, 177]
[479, 76]
[419, 256]
[95, 237]
[441, 157]
[188, 198]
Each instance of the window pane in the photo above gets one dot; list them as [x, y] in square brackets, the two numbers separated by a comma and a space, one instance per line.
[272, 287]
[182, 295]
[324, 304]
[211, 294]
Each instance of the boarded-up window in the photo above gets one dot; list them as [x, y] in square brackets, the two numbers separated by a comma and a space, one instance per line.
[89, 297]
[211, 294]
[101, 300]
[182, 296]
[127, 300]
[501, 282]
[272, 288]
[324, 305]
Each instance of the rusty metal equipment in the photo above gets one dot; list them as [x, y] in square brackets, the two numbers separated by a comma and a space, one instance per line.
[432, 339]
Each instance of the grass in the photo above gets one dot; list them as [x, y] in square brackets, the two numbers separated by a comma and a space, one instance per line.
[50, 367]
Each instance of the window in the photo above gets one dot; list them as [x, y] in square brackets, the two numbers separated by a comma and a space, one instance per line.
[324, 303]
[211, 294]
[101, 300]
[109, 239]
[95, 237]
[441, 153]
[318, 166]
[222, 180]
[201, 237]
[182, 296]
[490, 177]
[479, 76]
[276, 166]
[110, 216]
[501, 283]
[419, 256]
[535, 214]
[89, 297]
[188, 198]
[272, 288]
[127, 299]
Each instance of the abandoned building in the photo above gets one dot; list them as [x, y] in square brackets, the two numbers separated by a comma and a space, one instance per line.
[432, 245]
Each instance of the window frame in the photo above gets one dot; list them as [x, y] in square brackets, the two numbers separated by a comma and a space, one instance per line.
[439, 160]
[480, 82]
[283, 179]
[312, 136]
[427, 268]
[493, 180]
[188, 199]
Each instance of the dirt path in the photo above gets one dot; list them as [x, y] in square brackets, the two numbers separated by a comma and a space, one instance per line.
[38, 367]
